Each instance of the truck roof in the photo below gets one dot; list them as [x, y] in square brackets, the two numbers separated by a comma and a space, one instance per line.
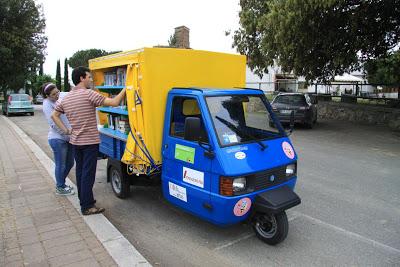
[216, 91]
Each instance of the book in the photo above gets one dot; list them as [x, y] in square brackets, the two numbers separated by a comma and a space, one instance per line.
[110, 78]
[110, 121]
[121, 76]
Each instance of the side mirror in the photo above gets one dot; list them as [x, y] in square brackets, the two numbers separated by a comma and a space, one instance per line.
[192, 129]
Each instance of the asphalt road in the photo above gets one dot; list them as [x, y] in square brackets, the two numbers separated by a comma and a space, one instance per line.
[349, 182]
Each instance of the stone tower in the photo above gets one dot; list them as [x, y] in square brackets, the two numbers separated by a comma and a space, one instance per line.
[182, 37]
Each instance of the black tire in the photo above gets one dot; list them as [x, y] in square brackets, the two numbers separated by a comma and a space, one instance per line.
[119, 183]
[271, 228]
[32, 113]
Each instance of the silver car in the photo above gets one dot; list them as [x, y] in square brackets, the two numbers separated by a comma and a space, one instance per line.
[39, 99]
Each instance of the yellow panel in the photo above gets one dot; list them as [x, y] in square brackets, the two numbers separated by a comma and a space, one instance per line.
[165, 68]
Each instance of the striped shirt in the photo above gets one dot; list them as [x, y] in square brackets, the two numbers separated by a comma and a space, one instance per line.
[79, 105]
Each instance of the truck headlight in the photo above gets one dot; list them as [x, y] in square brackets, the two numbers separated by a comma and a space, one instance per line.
[290, 169]
[239, 184]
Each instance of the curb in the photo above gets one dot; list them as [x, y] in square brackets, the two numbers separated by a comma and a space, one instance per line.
[119, 248]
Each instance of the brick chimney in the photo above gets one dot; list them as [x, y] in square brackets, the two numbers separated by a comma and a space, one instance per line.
[182, 37]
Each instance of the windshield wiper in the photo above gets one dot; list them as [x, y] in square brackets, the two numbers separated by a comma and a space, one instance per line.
[237, 130]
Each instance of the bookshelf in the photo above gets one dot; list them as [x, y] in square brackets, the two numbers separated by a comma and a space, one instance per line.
[114, 133]
[109, 88]
[113, 121]
[113, 110]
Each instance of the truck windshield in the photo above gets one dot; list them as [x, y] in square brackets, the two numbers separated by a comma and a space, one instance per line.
[241, 119]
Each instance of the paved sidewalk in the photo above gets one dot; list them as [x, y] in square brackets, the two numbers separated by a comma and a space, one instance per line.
[37, 227]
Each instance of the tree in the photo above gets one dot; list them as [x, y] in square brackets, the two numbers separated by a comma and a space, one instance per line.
[58, 75]
[385, 70]
[173, 41]
[41, 69]
[316, 39]
[81, 57]
[22, 41]
[39, 81]
[66, 81]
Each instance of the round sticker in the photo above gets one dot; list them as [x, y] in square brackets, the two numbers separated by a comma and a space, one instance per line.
[240, 155]
[288, 149]
[242, 206]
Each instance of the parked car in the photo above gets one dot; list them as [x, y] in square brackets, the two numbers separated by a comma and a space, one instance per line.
[18, 103]
[39, 99]
[305, 110]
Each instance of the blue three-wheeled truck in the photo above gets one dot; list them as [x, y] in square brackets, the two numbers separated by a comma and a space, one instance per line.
[222, 155]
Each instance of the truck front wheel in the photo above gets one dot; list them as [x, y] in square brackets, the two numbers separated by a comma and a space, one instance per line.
[271, 228]
[119, 183]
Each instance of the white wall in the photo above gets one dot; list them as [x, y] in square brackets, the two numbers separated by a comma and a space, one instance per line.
[267, 85]
[267, 81]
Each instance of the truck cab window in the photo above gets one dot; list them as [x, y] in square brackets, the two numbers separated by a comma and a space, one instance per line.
[182, 108]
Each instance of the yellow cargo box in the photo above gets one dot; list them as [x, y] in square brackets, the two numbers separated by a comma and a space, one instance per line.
[148, 74]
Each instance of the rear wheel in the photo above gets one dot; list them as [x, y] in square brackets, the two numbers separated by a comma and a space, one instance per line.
[271, 228]
[119, 183]
[32, 113]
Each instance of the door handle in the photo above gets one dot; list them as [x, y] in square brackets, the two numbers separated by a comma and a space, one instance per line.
[209, 154]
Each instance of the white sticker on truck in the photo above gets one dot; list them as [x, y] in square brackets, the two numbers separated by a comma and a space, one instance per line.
[193, 177]
[240, 155]
[177, 191]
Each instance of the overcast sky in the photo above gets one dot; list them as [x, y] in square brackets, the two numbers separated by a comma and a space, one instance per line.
[73, 25]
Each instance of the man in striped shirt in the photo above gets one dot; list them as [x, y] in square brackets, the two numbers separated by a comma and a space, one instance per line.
[79, 105]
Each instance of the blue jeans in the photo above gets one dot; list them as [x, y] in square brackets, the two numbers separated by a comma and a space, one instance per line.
[86, 163]
[64, 159]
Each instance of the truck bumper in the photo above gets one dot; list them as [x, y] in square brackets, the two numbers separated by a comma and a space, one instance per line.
[276, 201]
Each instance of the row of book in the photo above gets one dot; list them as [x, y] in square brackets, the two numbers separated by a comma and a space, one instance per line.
[122, 104]
[116, 77]
[118, 123]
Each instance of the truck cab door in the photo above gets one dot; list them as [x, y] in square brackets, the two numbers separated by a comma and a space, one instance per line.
[186, 169]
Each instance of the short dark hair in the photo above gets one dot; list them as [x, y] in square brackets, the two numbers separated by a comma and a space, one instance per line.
[79, 72]
[47, 88]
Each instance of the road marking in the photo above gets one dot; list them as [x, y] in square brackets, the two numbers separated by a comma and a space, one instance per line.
[291, 218]
[234, 242]
[351, 234]
[295, 215]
